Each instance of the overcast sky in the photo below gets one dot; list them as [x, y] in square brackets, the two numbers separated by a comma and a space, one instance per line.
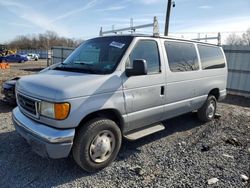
[83, 18]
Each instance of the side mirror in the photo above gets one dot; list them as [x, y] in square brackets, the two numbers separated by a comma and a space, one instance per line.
[139, 67]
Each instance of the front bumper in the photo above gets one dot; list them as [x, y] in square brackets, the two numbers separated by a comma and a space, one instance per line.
[44, 140]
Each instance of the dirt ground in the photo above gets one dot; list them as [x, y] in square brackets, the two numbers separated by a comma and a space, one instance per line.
[18, 69]
[187, 153]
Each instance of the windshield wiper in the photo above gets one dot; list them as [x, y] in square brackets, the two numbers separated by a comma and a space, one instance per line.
[87, 63]
[72, 69]
[62, 68]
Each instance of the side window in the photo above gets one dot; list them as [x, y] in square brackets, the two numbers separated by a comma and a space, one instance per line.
[211, 57]
[181, 56]
[148, 50]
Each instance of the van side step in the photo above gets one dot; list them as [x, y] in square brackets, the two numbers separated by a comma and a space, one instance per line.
[145, 132]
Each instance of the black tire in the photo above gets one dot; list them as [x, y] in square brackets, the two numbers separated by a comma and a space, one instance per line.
[21, 61]
[84, 139]
[206, 113]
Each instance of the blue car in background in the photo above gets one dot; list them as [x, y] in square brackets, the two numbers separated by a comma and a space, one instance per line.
[14, 58]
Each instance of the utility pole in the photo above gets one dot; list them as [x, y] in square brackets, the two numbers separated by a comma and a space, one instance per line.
[168, 16]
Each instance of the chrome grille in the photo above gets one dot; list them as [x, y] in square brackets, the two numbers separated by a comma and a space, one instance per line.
[27, 104]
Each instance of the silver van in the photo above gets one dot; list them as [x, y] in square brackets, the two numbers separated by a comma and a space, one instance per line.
[116, 87]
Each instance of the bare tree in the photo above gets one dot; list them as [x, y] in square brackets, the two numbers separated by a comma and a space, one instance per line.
[246, 38]
[234, 39]
[41, 41]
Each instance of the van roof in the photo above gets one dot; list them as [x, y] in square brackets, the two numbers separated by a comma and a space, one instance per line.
[163, 37]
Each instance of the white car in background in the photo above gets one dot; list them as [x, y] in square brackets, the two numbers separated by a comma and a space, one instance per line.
[32, 56]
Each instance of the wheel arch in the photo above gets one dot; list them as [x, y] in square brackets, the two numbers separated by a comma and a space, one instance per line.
[215, 92]
[112, 114]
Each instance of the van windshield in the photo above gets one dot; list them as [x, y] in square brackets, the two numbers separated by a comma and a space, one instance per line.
[97, 56]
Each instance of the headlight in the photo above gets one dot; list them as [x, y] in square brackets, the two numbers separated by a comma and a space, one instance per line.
[58, 111]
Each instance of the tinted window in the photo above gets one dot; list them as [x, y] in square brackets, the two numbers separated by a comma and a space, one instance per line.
[211, 57]
[181, 56]
[148, 50]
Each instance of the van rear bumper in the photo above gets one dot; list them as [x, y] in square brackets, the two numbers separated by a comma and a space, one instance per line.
[44, 140]
[223, 94]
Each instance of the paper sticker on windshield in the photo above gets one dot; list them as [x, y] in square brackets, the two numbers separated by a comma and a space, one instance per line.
[117, 44]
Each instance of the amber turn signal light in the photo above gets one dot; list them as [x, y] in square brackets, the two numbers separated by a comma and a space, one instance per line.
[61, 110]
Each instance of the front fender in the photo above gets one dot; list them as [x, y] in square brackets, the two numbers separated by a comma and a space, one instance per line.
[87, 105]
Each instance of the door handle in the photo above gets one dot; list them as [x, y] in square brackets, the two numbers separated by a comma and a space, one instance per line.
[162, 90]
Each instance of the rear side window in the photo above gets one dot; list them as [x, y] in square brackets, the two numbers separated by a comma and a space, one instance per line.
[181, 56]
[211, 57]
[147, 50]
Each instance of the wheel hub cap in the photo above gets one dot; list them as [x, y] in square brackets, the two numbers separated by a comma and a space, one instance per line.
[211, 109]
[102, 146]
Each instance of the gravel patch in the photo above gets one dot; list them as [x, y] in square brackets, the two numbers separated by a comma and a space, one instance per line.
[20, 69]
[187, 154]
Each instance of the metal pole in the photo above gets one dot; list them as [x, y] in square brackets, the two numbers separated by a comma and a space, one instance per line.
[131, 25]
[167, 17]
[100, 33]
[156, 31]
[219, 39]
[47, 52]
[155, 26]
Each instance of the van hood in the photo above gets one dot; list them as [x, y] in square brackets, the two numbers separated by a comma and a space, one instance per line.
[58, 85]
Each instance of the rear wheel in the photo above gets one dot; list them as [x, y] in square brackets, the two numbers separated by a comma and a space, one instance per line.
[97, 144]
[207, 111]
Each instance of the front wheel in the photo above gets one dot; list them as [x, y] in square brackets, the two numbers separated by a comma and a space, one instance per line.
[207, 111]
[97, 144]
